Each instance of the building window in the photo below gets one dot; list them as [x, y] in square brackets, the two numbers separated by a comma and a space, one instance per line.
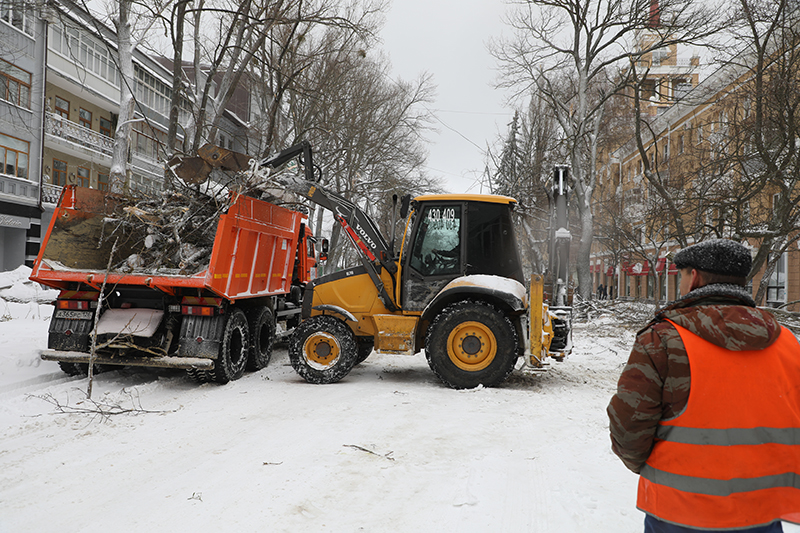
[14, 156]
[91, 53]
[85, 118]
[648, 89]
[147, 140]
[62, 107]
[18, 15]
[83, 177]
[152, 92]
[102, 182]
[59, 172]
[776, 289]
[105, 126]
[15, 85]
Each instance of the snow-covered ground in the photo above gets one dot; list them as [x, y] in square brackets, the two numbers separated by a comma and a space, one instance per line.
[387, 449]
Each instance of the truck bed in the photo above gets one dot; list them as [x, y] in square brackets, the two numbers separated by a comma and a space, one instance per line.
[252, 255]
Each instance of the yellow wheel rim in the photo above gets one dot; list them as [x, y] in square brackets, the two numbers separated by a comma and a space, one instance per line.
[471, 346]
[321, 350]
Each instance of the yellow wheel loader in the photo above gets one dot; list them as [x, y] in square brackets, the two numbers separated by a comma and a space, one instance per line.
[455, 289]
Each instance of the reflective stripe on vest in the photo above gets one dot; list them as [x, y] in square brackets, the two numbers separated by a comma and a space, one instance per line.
[732, 458]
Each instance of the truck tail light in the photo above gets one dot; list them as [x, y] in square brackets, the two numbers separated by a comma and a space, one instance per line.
[201, 306]
[78, 305]
[196, 310]
[77, 300]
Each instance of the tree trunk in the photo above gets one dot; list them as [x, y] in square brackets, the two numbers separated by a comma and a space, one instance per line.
[119, 162]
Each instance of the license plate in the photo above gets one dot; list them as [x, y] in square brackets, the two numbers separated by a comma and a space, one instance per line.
[74, 315]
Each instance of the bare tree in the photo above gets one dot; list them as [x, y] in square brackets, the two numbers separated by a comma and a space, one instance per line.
[522, 169]
[764, 112]
[577, 55]
[312, 73]
[129, 38]
[367, 128]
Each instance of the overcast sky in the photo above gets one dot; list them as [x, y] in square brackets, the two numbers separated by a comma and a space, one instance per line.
[448, 38]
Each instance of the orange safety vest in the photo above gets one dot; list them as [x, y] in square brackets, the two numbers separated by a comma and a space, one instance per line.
[732, 458]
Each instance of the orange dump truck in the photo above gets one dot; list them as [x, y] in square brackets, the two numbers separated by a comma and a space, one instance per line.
[215, 322]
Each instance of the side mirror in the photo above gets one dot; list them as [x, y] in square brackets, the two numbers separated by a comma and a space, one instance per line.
[323, 255]
[404, 203]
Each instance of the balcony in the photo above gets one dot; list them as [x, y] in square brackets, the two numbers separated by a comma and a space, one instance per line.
[19, 190]
[86, 144]
[78, 137]
[51, 193]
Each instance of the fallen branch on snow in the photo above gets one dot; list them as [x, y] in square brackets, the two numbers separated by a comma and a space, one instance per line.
[99, 409]
[387, 456]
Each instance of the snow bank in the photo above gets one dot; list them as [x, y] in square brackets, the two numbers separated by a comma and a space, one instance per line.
[16, 287]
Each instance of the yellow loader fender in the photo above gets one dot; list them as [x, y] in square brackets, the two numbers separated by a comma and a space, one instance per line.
[505, 293]
[345, 314]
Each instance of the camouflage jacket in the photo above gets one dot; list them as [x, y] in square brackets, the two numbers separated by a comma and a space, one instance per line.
[654, 384]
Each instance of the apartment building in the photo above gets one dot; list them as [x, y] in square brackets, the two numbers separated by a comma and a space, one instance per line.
[22, 56]
[82, 94]
[59, 101]
[686, 133]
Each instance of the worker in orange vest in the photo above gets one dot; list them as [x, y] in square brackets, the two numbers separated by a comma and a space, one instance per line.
[707, 410]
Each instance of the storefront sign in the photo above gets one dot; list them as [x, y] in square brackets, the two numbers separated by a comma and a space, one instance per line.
[11, 221]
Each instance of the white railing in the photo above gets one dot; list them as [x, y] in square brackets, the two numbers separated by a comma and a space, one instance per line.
[51, 193]
[58, 126]
[19, 187]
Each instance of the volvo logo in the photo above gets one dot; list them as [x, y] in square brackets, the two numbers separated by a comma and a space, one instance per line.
[364, 235]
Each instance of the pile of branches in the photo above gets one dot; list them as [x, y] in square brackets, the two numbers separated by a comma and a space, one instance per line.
[787, 319]
[629, 313]
[167, 233]
[173, 232]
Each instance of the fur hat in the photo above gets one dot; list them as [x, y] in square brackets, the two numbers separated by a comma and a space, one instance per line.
[718, 256]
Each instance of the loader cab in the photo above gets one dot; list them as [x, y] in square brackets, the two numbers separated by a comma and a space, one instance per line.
[449, 236]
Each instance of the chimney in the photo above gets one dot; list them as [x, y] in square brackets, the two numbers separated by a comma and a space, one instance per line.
[655, 14]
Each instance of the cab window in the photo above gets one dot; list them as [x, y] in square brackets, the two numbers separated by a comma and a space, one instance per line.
[437, 249]
[491, 244]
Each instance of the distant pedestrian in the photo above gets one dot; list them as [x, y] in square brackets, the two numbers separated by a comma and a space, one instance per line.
[600, 292]
[611, 292]
[707, 408]
[604, 294]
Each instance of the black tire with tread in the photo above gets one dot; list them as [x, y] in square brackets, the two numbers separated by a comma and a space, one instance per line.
[233, 353]
[70, 369]
[365, 347]
[327, 333]
[488, 321]
[199, 375]
[261, 323]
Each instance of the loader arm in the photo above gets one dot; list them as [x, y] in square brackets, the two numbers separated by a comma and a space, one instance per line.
[360, 229]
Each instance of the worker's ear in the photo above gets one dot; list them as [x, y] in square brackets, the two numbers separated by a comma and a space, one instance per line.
[697, 280]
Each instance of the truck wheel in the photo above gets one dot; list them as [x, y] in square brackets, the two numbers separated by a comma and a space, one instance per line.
[200, 376]
[262, 335]
[322, 349]
[471, 344]
[71, 369]
[365, 347]
[83, 368]
[232, 358]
